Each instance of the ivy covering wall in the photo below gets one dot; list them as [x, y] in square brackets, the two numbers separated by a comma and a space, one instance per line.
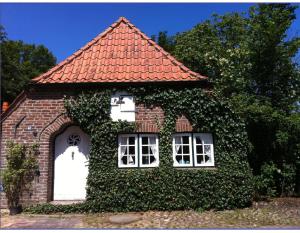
[109, 188]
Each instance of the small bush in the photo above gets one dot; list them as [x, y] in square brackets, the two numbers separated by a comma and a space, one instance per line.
[20, 171]
[264, 183]
[274, 181]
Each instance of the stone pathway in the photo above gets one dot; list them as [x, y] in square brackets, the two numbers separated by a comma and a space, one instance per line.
[280, 213]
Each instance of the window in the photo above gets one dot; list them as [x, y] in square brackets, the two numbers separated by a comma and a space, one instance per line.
[182, 150]
[138, 150]
[203, 149]
[149, 150]
[127, 150]
[122, 107]
[193, 150]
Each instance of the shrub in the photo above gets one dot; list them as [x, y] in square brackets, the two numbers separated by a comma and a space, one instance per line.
[19, 173]
[265, 184]
[274, 181]
[288, 180]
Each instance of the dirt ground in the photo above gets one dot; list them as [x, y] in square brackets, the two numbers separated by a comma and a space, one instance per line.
[278, 213]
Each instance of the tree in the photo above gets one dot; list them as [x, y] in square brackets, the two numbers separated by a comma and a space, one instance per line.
[20, 62]
[218, 49]
[2, 34]
[274, 74]
[165, 41]
[249, 59]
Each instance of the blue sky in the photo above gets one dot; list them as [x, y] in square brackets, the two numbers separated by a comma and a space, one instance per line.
[66, 27]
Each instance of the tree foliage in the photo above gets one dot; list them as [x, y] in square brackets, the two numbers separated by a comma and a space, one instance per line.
[165, 41]
[249, 59]
[20, 62]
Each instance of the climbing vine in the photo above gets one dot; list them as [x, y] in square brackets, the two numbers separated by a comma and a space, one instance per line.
[109, 188]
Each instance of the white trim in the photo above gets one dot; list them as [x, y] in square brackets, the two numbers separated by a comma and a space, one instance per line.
[120, 154]
[156, 164]
[175, 163]
[209, 142]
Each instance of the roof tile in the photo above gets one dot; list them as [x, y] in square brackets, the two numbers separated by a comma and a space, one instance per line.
[122, 53]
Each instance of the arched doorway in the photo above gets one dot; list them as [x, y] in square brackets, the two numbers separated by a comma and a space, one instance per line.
[71, 164]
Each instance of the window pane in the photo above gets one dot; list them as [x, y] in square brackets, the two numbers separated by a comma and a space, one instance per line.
[179, 158]
[152, 159]
[207, 158]
[199, 149]
[200, 159]
[131, 159]
[177, 140]
[124, 160]
[144, 140]
[185, 139]
[152, 140]
[198, 140]
[186, 149]
[145, 159]
[207, 138]
[123, 140]
[131, 140]
[150, 150]
[186, 159]
[123, 150]
[207, 149]
[144, 149]
[131, 150]
[179, 149]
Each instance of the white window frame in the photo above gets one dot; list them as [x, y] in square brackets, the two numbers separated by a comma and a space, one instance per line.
[156, 164]
[175, 163]
[136, 151]
[205, 135]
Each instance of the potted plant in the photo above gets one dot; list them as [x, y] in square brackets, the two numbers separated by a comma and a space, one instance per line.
[21, 166]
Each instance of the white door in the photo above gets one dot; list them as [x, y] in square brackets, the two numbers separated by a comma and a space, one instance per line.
[71, 164]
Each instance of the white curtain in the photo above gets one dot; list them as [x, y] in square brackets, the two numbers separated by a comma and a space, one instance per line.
[153, 146]
[206, 138]
[177, 143]
[131, 161]
[123, 140]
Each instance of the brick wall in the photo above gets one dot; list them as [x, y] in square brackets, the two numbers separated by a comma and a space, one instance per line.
[37, 112]
[44, 119]
[148, 120]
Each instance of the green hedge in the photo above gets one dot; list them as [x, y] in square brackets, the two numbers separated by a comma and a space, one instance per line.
[109, 188]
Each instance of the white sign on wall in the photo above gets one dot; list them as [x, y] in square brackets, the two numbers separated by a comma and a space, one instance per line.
[122, 107]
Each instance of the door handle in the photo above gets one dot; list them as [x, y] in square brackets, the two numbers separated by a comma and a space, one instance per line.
[72, 155]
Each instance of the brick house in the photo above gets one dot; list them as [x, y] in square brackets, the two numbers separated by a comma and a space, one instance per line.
[120, 56]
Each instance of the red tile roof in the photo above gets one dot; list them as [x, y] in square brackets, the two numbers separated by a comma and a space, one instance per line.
[122, 53]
